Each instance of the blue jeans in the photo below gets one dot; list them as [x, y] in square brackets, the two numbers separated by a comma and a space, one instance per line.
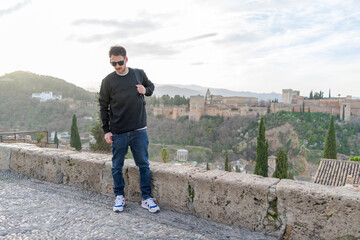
[138, 142]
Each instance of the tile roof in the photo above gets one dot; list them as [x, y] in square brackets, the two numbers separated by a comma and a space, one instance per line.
[334, 172]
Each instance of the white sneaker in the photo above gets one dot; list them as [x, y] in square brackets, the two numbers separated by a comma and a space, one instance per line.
[119, 203]
[150, 205]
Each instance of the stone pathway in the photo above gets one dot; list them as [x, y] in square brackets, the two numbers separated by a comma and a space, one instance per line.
[34, 209]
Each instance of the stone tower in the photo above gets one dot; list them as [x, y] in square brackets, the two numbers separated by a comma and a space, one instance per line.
[208, 97]
[345, 109]
[197, 107]
[290, 96]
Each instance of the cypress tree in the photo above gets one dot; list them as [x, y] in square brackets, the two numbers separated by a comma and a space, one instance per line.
[227, 166]
[74, 135]
[309, 114]
[330, 142]
[237, 168]
[261, 166]
[207, 166]
[281, 170]
[303, 108]
[56, 140]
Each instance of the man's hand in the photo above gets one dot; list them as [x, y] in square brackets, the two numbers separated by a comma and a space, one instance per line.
[108, 137]
[141, 89]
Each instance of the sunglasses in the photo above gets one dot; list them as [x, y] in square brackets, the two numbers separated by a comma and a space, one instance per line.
[119, 62]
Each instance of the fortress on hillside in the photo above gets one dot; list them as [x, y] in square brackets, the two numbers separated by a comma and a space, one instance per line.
[343, 106]
[216, 105]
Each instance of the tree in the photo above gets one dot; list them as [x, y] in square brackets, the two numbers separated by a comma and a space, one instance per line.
[74, 135]
[261, 166]
[98, 132]
[39, 137]
[177, 100]
[100, 144]
[166, 99]
[281, 170]
[309, 114]
[207, 166]
[330, 142]
[319, 95]
[165, 154]
[329, 93]
[237, 169]
[311, 95]
[56, 140]
[303, 107]
[227, 165]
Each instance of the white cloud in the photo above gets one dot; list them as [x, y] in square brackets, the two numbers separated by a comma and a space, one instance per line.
[9, 7]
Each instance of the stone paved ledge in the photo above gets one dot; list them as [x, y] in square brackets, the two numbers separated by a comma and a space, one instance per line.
[36, 209]
[282, 208]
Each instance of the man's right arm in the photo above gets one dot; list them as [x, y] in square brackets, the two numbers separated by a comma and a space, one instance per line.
[104, 101]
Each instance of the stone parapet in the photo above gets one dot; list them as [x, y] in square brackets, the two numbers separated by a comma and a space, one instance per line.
[283, 208]
[315, 211]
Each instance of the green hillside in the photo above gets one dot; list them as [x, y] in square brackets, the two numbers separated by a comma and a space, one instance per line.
[23, 84]
[20, 111]
[238, 134]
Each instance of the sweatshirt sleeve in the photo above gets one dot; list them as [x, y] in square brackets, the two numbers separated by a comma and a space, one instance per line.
[104, 101]
[149, 86]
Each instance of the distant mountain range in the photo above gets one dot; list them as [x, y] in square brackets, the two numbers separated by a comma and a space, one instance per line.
[191, 90]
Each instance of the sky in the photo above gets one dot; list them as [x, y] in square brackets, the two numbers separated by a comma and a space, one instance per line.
[249, 45]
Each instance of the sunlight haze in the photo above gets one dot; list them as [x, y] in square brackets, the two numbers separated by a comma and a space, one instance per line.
[257, 46]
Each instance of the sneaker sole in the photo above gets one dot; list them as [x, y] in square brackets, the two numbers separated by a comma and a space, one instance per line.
[118, 209]
[152, 211]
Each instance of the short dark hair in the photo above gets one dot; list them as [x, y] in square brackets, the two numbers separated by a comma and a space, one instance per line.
[117, 50]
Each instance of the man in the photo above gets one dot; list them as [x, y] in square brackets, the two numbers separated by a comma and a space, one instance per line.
[123, 116]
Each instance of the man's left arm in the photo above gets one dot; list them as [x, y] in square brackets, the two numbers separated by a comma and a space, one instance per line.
[149, 86]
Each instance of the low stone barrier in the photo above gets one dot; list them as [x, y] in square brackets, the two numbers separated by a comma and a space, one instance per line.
[283, 208]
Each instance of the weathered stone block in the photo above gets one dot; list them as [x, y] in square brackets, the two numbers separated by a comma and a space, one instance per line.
[172, 186]
[51, 165]
[315, 211]
[233, 198]
[82, 170]
[132, 182]
[18, 161]
[107, 183]
[37, 162]
[5, 152]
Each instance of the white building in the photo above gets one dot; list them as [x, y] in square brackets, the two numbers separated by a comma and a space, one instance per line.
[45, 96]
[182, 155]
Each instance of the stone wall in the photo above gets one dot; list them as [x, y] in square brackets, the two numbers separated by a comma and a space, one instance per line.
[283, 208]
[197, 107]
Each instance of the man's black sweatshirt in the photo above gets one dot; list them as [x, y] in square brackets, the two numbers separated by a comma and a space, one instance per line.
[122, 108]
